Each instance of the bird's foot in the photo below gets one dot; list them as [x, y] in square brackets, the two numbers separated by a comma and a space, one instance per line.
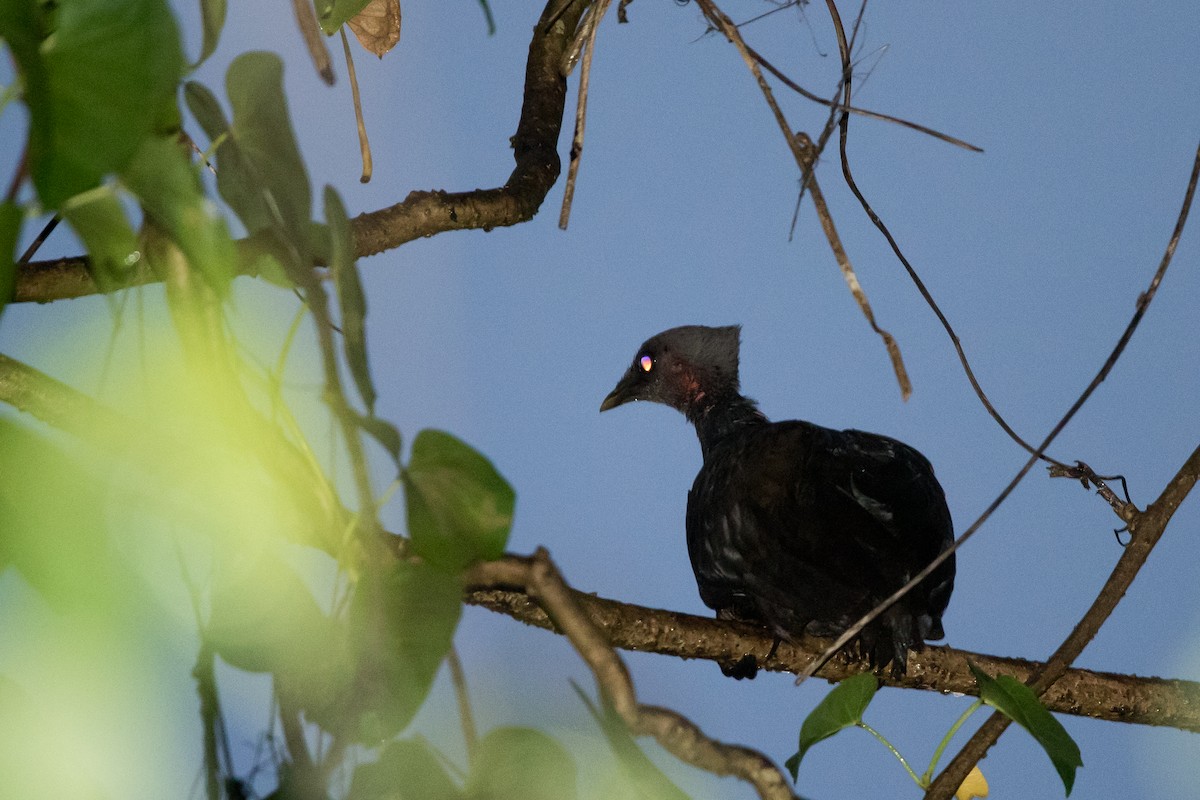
[745, 668]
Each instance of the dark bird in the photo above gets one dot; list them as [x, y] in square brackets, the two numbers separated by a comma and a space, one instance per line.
[796, 526]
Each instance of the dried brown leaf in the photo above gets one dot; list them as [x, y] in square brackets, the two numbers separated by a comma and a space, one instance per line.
[377, 26]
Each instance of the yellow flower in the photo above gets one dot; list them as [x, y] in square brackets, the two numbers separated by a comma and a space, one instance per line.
[974, 786]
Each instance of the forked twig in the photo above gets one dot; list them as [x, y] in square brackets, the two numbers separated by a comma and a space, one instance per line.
[804, 156]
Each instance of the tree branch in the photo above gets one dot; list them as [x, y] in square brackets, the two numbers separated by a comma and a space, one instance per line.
[562, 610]
[422, 213]
[1099, 695]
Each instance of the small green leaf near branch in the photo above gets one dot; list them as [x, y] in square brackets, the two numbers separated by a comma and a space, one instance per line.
[1017, 701]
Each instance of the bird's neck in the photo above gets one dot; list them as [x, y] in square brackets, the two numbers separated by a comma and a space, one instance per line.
[726, 415]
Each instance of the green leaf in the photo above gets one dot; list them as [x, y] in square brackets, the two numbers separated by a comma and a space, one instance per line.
[645, 775]
[169, 189]
[11, 217]
[265, 619]
[842, 708]
[260, 172]
[212, 18]
[52, 515]
[408, 769]
[402, 621]
[460, 508]
[99, 76]
[521, 764]
[1017, 701]
[99, 220]
[351, 299]
[333, 13]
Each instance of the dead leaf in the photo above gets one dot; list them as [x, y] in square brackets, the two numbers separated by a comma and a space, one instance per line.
[377, 26]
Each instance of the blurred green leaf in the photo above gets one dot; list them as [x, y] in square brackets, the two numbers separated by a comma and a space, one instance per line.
[99, 76]
[1017, 701]
[332, 13]
[383, 432]
[11, 217]
[649, 780]
[351, 299]
[265, 619]
[212, 18]
[260, 172]
[51, 516]
[842, 708]
[408, 769]
[99, 220]
[403, 620]
[460, 508]
[521, 764]
[169, 189]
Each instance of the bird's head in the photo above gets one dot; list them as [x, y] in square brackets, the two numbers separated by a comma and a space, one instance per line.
[688, 368]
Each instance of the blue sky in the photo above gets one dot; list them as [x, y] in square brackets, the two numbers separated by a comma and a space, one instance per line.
[1036, 250]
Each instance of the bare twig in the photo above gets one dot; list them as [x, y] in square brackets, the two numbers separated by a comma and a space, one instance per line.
[39, 240]
[1088, 478]
[364, 144]
[862, 112]
[306, 18]
[585, 40]
[843, 260]
[540, 578]
[459, 678]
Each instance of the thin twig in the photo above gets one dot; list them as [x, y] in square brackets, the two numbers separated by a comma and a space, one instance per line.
[862, 112]
[540, 578]
[39, 240]
[843, 260]
[364, 145]
[306, 18]
[586, 39]
[459, 678]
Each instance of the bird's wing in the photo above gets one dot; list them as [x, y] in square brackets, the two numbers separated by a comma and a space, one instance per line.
[824, 523]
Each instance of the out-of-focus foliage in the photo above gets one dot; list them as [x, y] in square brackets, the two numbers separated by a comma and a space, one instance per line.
[196, 517]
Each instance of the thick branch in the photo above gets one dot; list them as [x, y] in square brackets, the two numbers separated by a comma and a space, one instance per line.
[1100, 695]
[422, 213]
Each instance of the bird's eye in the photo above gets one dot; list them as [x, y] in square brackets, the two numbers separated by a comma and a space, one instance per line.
[646, 363]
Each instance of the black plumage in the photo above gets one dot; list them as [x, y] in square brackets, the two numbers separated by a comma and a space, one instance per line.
[799, 527]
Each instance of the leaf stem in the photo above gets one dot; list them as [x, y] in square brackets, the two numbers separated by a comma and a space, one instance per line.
[903, 762]
[941, 748]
